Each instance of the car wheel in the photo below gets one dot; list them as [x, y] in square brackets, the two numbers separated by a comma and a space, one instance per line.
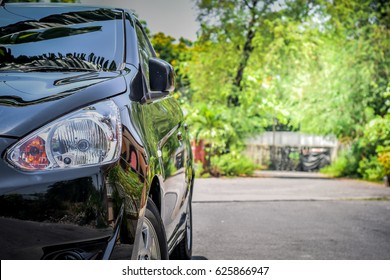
[183, 250]
[153, 245]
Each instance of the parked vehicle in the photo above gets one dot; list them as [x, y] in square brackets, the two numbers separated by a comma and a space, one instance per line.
[95, 156]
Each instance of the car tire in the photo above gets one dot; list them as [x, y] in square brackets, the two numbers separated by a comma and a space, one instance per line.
[153, 244]
[183, 250]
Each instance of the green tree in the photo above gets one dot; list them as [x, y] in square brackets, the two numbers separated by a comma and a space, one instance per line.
[235, 24]
[344, 86]
[322, 66]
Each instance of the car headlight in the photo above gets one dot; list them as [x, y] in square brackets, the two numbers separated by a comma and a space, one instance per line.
[87, 137]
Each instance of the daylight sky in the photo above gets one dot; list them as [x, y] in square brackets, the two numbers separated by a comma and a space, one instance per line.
[173, 17]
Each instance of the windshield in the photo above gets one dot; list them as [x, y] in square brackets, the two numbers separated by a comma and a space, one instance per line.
[72, 41]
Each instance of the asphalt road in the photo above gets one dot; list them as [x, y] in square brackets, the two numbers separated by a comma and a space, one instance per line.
[292, 216]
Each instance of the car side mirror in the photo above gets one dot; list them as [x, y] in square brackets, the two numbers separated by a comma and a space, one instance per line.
[161, 75]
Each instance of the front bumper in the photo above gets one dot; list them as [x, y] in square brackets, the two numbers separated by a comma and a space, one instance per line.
[73, 214]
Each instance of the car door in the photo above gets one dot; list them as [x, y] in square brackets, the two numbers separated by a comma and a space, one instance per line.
[163, 119]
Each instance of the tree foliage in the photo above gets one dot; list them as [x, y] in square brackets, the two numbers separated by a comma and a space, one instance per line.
[320, 66]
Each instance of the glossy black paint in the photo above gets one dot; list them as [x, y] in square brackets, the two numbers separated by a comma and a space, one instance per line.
[90, 212]
[46, 96]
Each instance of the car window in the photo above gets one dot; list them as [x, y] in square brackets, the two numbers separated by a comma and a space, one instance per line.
[79, 40]
[145, 52]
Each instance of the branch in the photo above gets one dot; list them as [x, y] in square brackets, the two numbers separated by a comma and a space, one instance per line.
[247, 4]
[254, 4]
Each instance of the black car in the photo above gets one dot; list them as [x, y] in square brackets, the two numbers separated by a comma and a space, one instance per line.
[95, 156]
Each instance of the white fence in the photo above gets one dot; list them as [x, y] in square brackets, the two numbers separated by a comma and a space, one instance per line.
[292, 139]
[261, 147]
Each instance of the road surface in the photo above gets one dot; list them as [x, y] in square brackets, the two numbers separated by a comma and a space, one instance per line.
[290, 216]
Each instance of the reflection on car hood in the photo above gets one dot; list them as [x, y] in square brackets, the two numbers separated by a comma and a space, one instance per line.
[37, 87]
[29, 100]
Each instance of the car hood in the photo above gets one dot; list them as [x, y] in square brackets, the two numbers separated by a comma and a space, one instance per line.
[30, 100]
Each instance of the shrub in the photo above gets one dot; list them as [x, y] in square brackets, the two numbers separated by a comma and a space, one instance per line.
[384, 160]
[199, 170]
[337, 168]
[371, 169]
[345, 165]
[232, 164]
[368, 157]
[375, 146]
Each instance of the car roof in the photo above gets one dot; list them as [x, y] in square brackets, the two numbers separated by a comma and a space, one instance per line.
[55, 5]
[39, 10]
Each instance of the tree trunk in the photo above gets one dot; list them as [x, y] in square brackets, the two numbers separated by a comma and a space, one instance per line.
[233, 99]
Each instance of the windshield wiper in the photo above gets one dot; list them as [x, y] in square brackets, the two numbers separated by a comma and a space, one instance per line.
[46, 69]
[56, 69]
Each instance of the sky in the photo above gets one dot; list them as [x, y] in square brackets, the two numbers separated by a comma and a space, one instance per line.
[173, 17]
